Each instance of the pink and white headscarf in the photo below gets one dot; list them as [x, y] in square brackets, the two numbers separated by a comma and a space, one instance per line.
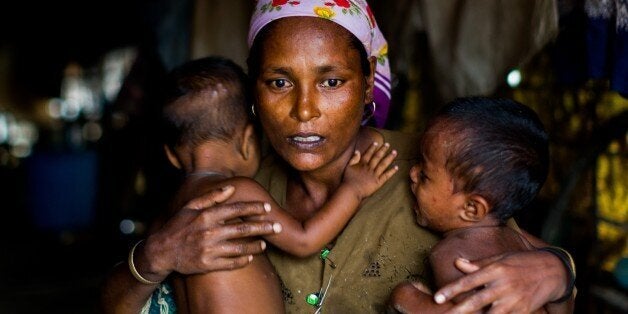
[353, 15]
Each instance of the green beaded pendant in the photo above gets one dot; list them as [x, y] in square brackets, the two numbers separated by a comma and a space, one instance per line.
[324, 253]
[312, 299]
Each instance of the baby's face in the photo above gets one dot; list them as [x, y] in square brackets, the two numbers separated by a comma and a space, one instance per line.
[437, 205]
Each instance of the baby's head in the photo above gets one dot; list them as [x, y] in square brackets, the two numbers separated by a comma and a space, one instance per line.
[480, 156]
[206, 102]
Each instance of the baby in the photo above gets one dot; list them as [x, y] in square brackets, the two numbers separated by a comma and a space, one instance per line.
[482, 160]
[210, 137]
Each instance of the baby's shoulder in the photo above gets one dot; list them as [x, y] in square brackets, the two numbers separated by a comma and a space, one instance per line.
[246, 189]
[242, 182]
[456, 245]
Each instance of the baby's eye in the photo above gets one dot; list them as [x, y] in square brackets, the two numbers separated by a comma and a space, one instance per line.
[331, 83]
[422, 176]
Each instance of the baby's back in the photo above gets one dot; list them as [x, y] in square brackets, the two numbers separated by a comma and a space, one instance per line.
[254, 288]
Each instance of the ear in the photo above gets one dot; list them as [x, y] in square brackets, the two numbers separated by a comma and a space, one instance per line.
[174, 160]
[248, 145]
[475, 208]
[370, 81]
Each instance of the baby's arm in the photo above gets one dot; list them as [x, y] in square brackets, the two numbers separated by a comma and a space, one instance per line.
[414, 297]
[363, 176]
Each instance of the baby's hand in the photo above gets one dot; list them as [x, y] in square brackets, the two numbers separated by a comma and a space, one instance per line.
[367, 173]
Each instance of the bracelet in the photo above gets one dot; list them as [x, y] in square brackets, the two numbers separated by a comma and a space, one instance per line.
[134, 271]
[569, 263]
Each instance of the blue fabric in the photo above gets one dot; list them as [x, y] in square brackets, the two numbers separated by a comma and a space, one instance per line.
[599, 38]
[607, 42]
[161, 302]
[619, 77]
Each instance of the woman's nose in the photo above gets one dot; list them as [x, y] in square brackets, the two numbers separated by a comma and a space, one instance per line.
[305, 108]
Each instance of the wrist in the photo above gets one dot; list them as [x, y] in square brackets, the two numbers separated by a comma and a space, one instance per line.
[148, 262]
[351, 189]
[570, 268]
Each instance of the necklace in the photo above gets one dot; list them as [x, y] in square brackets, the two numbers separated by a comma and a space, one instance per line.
[316, 299]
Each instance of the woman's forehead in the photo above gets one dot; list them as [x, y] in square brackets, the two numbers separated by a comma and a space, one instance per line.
[314, 43]
[306, 28]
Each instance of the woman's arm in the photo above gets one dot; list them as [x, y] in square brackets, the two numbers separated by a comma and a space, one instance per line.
[522, 281]
[193, 241]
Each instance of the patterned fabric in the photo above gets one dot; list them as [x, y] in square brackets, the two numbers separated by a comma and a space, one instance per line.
[353, 15]
[607, 42]
[161, 302]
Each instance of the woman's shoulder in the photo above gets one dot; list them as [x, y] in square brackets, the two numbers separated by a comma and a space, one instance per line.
[272, 175]
[406, 144]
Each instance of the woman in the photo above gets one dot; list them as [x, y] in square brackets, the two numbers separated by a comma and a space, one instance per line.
[314, 74]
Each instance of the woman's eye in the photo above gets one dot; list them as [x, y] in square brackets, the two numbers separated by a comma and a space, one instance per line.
[279, 83]
[332, 83]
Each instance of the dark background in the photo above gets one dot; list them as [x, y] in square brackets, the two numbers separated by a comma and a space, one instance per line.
[63, 203]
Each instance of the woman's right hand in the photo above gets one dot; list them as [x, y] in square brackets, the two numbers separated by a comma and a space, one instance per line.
[197, 240]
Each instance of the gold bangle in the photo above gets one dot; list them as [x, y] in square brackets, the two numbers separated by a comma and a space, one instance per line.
[571, 261]
[569, 264]
[134, 271]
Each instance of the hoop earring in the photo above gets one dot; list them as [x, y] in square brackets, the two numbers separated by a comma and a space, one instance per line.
[369, 112]
[253, 111]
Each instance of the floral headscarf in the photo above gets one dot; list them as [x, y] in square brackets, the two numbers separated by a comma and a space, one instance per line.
[353, 15]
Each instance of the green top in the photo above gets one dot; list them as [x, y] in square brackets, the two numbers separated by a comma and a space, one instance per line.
[379, 248]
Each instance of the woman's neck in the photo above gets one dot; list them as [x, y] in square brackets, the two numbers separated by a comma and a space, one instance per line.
[309, 191]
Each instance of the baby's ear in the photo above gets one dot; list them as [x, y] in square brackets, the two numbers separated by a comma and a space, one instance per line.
[474, 208]
[248, 146]
[172, 157]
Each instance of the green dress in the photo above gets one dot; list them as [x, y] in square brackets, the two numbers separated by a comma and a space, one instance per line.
[380, 247]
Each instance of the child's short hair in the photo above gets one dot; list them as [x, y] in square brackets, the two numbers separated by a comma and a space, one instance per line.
[205, 99]
[499, 150]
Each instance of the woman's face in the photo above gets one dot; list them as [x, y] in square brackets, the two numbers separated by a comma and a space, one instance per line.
[311, 92]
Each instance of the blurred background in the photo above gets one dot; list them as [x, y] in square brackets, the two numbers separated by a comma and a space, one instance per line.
[82, 171]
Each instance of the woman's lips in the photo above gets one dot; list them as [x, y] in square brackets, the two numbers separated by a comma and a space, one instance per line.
[306, 141]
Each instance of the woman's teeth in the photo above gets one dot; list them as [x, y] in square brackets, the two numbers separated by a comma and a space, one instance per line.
[311, 138]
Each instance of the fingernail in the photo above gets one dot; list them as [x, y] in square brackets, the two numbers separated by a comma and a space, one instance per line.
[277, 227]
[375, 143]
[396, 167]
[386, 144]
[250, 258]
[227, 187]
[394, 152]
[267, 207]
[464, 260]
[263, 245]
[439, 298]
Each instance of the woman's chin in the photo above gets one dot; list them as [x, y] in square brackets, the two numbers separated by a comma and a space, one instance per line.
[305, 162]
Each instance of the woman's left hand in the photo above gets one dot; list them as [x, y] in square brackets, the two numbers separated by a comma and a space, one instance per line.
[512, 283]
